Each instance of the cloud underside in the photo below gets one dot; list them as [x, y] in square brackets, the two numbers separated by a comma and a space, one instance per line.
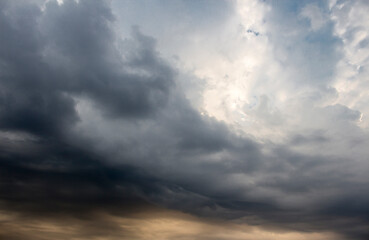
[100, 135]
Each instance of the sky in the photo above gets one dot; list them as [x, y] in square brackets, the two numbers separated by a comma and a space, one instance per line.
[178, 119]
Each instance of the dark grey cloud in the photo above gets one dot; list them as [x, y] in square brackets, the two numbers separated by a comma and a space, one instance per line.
[58, 177]
[164, 151]
[29, 101]
[68, 50]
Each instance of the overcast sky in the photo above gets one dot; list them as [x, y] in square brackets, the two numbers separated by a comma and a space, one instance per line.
[178, 119]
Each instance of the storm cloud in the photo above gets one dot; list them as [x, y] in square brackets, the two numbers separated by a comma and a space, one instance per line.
[101, 116]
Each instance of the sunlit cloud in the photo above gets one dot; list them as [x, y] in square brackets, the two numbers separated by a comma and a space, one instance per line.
[172, 119]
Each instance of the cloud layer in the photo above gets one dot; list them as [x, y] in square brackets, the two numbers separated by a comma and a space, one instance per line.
[255, 115]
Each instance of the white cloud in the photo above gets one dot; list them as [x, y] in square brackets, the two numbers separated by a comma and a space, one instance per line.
[352, 83]
[315, 16]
